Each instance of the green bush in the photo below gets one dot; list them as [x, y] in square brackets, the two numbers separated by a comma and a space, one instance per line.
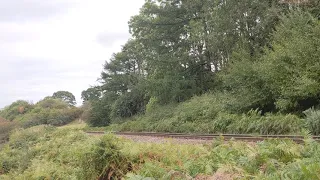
[313, 121]
[129, 104]
[105, 159]
[99, 113]
[205, 107]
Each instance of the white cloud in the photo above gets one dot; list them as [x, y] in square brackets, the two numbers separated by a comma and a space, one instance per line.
[64, 51]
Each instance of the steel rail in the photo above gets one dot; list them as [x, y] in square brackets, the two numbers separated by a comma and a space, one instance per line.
[240, 137]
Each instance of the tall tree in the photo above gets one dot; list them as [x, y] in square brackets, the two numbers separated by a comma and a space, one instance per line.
[189, 41]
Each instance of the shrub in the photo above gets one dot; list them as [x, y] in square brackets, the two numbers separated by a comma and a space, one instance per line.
[99, 113]
[106, 160]
[203, 107]
[313, 120]
[73, 113]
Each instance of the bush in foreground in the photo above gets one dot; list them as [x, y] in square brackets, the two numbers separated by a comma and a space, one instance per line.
[46, 152]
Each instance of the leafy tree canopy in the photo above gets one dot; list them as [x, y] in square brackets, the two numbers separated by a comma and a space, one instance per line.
[66, 96]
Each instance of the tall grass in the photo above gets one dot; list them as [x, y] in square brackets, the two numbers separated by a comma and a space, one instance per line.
[45, 152]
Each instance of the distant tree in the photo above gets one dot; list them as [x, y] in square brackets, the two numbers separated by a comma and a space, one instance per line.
[66, 96]
[91, 94]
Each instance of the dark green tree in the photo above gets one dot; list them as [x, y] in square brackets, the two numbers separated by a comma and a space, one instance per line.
[292, 68]
[286, 77]
[99, 115]
[188, 42]
[91, 94]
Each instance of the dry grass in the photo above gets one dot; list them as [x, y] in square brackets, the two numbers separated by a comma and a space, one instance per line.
[5, 128]
[76, 124]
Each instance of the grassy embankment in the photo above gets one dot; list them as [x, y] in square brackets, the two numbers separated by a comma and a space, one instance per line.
[207, 114]
[68, 153]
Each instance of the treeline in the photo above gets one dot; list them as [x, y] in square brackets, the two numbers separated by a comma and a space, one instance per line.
[251, 55]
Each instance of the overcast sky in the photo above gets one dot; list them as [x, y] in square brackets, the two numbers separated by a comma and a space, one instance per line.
[52, 45]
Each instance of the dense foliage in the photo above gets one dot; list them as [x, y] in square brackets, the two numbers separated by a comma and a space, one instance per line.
[285, 78]
[252, 55]
[46, 152]
[204, 114]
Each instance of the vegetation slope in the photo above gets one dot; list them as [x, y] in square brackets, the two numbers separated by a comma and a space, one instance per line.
[46, 152]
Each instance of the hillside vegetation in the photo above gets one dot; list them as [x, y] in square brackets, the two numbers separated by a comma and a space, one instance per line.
[49, 111]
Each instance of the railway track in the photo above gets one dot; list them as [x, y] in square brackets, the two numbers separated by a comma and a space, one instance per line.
[239, 137]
